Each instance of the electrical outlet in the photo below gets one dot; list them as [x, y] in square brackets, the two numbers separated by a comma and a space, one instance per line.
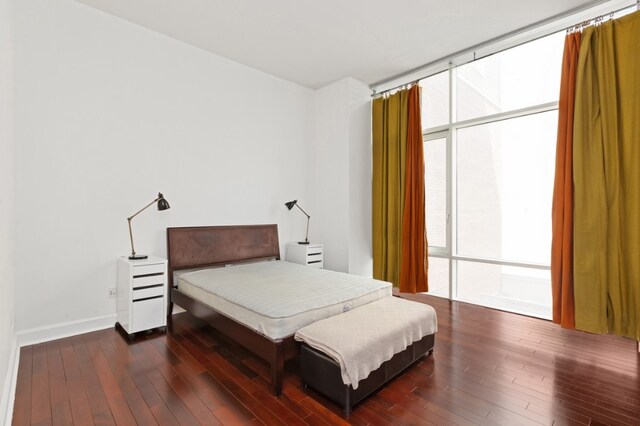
[112, 293]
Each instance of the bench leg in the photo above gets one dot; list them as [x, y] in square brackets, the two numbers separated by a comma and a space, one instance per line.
[347, 401]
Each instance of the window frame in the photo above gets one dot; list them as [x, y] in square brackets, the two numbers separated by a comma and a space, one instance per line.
[445, 250]
[449, 133]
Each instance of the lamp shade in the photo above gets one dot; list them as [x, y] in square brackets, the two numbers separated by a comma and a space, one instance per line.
[162, 203]
[290, 204]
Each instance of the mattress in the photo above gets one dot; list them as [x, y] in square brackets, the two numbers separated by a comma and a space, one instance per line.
[277, 298]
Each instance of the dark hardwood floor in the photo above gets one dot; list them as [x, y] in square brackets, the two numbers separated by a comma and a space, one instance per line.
[488, 367]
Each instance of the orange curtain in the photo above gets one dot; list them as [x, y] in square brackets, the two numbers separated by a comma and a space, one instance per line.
[413, 271]
[562, 210]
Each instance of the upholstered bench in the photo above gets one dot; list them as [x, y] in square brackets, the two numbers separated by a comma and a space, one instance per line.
[348, 356]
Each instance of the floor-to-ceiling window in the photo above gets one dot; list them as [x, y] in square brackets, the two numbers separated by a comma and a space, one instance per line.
[489, 139]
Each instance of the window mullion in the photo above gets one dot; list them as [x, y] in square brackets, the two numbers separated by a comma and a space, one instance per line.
[451, 196]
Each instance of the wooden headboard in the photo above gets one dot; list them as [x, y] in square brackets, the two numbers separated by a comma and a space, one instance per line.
[202, 246]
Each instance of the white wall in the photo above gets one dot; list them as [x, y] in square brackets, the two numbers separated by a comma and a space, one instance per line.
[360, 179]
[343, 175]
[107, 115]
[332, 167]
[7, 335]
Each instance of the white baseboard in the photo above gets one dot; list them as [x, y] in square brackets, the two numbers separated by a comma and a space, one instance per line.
[9, 386]
[59, 331]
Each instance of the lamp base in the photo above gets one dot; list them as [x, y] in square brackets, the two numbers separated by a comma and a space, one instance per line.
[303, 242]
[138, 256]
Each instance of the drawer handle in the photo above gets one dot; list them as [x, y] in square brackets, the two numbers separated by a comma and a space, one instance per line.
[155, 274]
[315, 254]
[147, 298]
[315, 261]
[148, 286]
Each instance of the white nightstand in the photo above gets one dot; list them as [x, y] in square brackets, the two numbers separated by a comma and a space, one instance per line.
[142, 294]
[305, 254]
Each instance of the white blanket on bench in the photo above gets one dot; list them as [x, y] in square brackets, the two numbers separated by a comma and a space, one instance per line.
[361, 339]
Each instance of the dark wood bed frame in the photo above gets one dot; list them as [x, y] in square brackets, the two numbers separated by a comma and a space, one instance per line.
[210, 246]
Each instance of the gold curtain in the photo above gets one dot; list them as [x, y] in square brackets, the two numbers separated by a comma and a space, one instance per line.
[562, 210]
[389, 126]
[413, 271]
[606, 155]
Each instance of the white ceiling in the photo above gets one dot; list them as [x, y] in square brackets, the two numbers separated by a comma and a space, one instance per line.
[314, 43]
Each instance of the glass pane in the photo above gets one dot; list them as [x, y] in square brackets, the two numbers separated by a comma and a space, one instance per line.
[523, 76]
[504, 188]
[522, 290]
[435, 100]
[435, 184]
[438, 277]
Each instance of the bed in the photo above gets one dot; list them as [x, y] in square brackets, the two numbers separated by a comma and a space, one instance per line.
[231, 298]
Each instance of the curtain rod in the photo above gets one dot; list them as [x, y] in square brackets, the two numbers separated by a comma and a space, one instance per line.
[599, 19]
[449, 58]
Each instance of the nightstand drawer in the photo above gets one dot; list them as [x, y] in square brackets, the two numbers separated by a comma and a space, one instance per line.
[315, 250]
[148, 280]
[156, 268]
[147, 314]
[143, 293]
